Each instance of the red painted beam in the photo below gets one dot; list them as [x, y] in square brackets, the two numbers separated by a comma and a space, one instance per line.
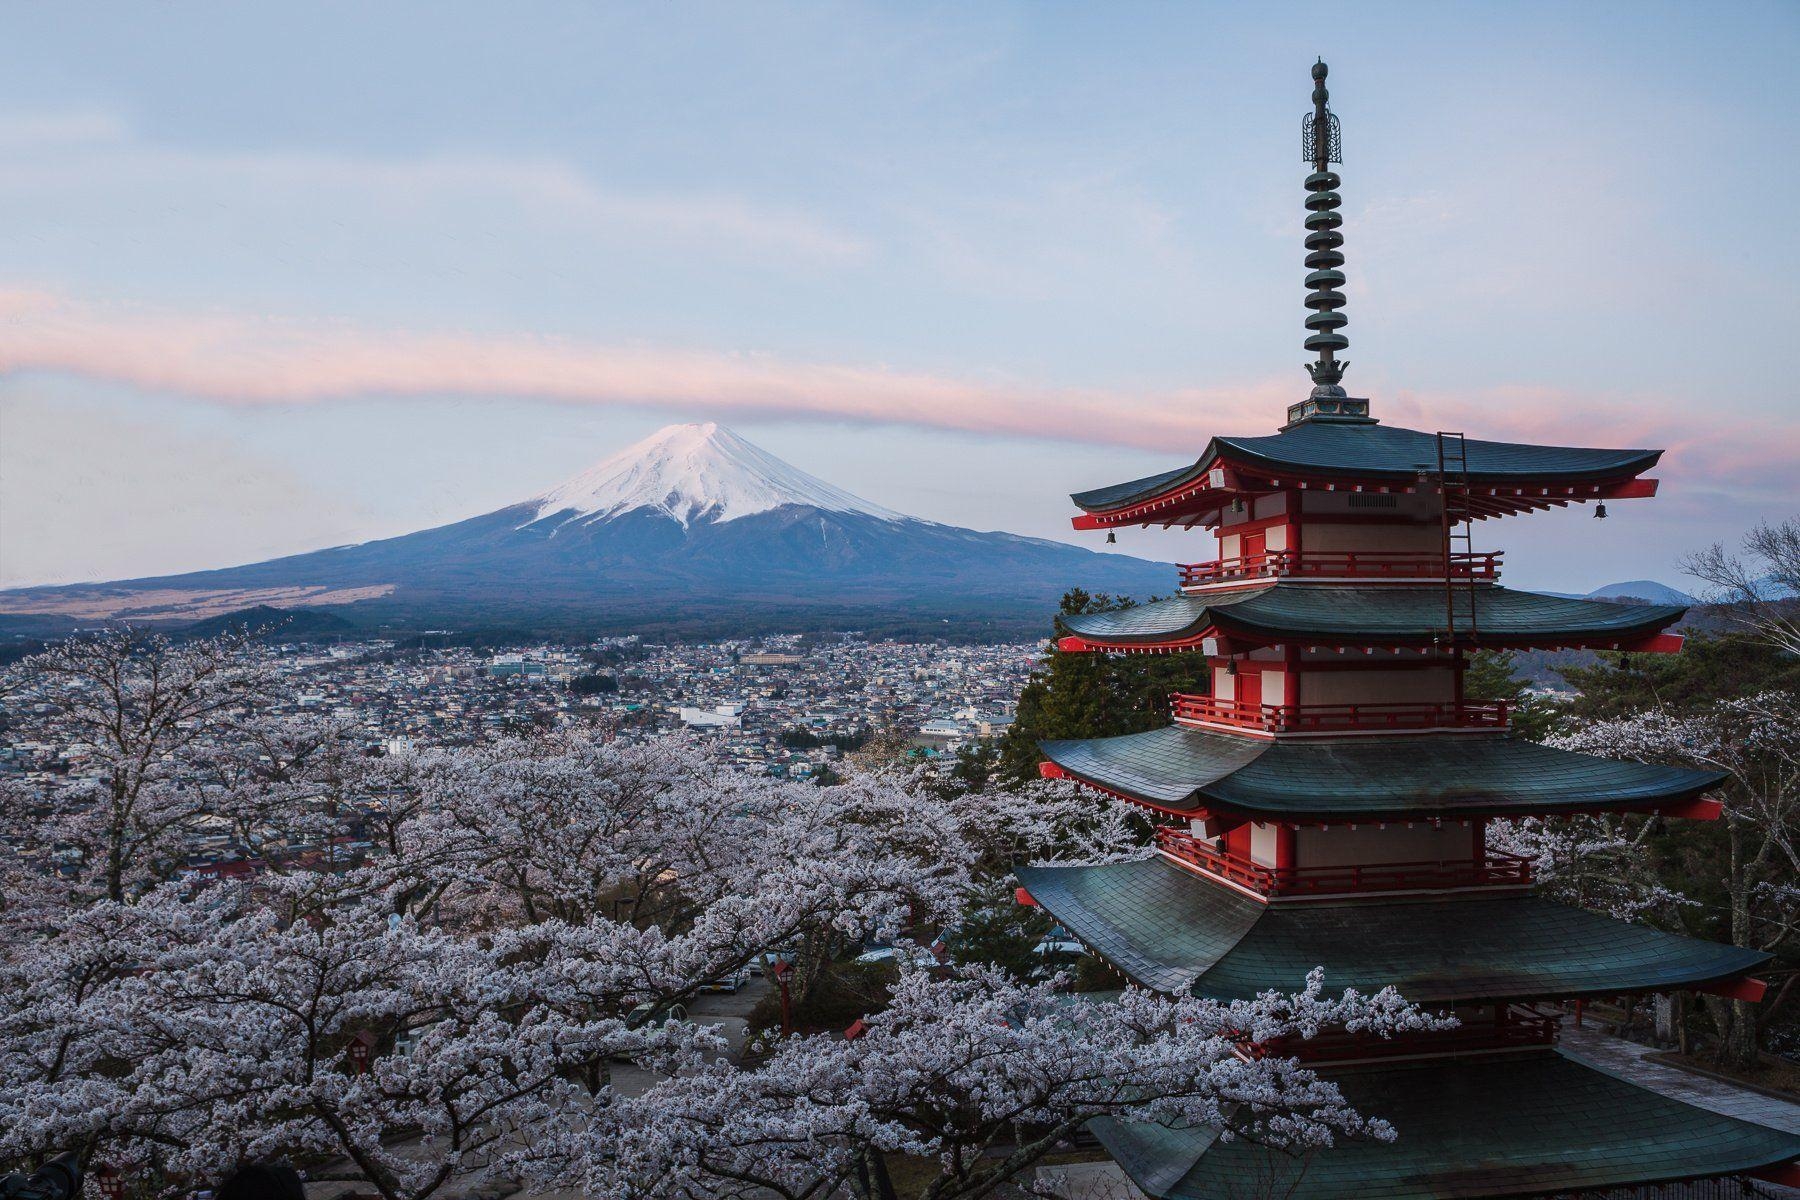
[1748, 990]
[1049, 770]
[1703, 809]
[1024, 897]
[1073, 645]
[857, 1028]
[1657, 643]
[1788, 1174]
[1630, 489]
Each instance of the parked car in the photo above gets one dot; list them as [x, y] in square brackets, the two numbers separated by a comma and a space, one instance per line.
[918, 956]
[728, 983]
[644, 1013]
[1052, 945]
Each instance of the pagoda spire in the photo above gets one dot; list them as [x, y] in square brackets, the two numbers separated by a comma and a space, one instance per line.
[1323, 146]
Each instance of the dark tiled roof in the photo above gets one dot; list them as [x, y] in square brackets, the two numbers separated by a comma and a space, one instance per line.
[1523, 1124]
[1160, 925]
[1375, 614]
[1383, 453]
[1172, 930]
[1395, 777]
[1120, 494]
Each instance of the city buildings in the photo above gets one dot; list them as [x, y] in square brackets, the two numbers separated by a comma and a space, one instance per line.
[783, 705]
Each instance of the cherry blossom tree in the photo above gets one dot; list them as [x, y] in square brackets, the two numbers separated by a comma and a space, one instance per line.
[1755, 740]
[442, 1010]
[138, 701]
[980, 1074]
[1598, 861]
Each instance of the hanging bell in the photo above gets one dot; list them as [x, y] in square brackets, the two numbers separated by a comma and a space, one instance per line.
[1112, 539]
[1600, 511]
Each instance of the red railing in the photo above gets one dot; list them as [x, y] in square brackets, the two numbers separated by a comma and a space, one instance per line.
[1351, 564]
[1493, 868]
[1197, 852]
[1513, 1027]
[1338, 718]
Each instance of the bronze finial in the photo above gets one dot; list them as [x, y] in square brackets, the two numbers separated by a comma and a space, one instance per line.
[1322, 144]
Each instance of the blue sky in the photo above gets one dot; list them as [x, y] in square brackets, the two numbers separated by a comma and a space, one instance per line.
[280, 277]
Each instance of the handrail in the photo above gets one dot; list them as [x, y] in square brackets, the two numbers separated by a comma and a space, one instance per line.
[1196, 852]
[1336, 718]
[1360, 564]
[1491, 868]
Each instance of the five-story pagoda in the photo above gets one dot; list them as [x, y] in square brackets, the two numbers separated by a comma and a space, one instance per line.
[1325, 804]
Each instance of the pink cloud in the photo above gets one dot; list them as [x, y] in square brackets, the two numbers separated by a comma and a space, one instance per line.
[239, 360]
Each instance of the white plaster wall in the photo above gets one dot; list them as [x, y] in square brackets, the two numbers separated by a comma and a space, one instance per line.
[1262, 844]
[1343, 846]
[1429, 684]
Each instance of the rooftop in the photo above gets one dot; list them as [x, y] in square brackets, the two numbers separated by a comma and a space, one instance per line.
[1528, 1123]
[1374, 615]
[1171, 930]
[1371, 778]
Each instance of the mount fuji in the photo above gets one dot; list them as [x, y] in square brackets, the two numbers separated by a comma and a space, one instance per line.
[693, 530]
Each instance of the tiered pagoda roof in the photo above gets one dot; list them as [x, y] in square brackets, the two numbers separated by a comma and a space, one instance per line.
[1361, 455]
[1285, 794]
[1421, 777]
[1171, 930]
[1385, 615]
[1516, 1124]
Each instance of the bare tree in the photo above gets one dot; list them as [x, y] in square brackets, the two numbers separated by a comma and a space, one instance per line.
[139, 700]
[1761, 585]
[1755, 740]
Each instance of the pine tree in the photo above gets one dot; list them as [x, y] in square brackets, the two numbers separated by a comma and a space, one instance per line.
[1493, 675]
[1088, 695]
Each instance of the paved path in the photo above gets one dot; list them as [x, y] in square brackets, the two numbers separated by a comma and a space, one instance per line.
[1633, 1062]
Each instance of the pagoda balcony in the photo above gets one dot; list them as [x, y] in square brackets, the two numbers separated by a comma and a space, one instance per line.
[1320, 719]
[1514, 1027]
[1493, 868]
[1407, 566]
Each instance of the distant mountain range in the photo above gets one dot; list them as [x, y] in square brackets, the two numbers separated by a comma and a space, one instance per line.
[1647, 590]
[692, 529]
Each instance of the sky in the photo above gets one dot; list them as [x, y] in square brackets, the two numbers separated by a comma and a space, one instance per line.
[280, 277]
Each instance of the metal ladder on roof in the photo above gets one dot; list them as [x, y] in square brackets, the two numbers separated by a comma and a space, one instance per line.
[1461, 620]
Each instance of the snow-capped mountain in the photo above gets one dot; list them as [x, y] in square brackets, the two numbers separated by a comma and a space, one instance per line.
[695, 473]
[692, 529]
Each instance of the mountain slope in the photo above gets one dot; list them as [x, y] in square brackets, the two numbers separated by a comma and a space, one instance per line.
[692, 526]
[694, 473]
[1642, 589]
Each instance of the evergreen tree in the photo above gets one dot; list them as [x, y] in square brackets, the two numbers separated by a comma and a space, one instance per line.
[1709, 668]
[1087, 695]
[1493, 675]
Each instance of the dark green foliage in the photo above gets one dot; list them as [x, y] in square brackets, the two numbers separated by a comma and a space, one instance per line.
[977, 765]
[1089, 695]
[1710, 667]
[1004, 935]
[1493, 675]
[275, 625]
[593, 685]
[1095, 974]
[806, 739]
[841, 995]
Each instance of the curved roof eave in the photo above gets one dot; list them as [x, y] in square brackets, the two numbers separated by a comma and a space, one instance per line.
[1389, 777]
[1394, 455]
